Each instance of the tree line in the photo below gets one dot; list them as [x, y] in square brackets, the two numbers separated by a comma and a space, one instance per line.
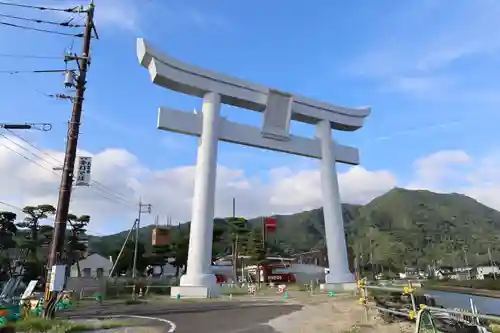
[24, 245]
[230, 236]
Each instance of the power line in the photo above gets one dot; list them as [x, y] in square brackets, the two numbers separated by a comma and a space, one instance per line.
[40, 71]
[114, 199]
[61, 24]
[25, 157]
[40, 30]
[11, 206]
[77, 9]
[102, 188]
[27, 56]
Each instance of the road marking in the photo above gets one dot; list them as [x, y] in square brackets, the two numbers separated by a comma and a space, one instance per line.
[166, 321]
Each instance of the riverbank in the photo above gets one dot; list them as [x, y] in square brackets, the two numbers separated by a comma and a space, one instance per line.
[463, 290]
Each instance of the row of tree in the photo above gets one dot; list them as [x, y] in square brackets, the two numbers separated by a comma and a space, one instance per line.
[230, 236]
[24, 244]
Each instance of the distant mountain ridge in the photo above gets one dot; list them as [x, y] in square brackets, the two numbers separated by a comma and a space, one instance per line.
[405, 226]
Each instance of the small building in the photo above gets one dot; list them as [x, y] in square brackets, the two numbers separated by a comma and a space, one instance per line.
[484, 272]
[94, 265]
[444, 273]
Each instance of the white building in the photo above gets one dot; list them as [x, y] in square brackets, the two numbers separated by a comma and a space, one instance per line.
[94, 265]
[483, 271]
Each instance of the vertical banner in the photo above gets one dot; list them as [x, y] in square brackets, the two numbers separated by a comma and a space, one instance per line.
[84, 171]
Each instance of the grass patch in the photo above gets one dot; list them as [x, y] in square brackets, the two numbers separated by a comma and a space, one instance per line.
[32, 325]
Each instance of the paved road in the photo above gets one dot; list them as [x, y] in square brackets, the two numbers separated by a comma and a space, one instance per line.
[206, 317]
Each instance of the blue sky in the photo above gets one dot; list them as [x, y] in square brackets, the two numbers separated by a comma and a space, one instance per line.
[429, 69]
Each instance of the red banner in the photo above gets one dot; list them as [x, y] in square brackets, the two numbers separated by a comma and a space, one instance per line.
[271, 224]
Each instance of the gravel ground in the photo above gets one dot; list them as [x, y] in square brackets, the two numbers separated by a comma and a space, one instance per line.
[335, 315]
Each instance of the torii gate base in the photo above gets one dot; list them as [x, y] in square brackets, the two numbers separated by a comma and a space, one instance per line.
[279, 109]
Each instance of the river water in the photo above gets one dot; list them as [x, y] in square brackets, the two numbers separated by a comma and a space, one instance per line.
[485, 305]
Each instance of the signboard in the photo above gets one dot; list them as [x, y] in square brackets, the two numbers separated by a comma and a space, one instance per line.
[275, 277]
[270, 223]
[84, 170]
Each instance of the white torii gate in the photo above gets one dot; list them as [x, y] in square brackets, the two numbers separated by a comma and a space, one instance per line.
[279, 109]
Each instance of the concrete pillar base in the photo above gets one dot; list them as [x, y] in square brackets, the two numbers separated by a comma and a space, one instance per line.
[183, 292]
[196, 286]
[339, 287]
[335, 278]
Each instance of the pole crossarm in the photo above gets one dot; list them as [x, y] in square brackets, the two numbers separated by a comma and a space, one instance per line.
[44, 127]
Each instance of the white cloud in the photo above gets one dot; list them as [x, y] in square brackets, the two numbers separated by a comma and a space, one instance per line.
[439, 169]
[457, 171]
[170, 190]
[284, 190]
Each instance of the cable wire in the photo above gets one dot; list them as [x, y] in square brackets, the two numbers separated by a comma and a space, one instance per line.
[113, 200]
[6, 71]
[27, 56]
[62, 24]
[52, 171]
[103, 188]
[77, 9]
[41, 30]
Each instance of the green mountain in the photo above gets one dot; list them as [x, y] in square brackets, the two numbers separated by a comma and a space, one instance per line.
[401, 227]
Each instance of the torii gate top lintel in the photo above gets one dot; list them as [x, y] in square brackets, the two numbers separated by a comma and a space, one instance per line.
[175, 75]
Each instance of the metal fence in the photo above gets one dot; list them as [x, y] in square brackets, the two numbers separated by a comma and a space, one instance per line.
[416, 312]
[405, 290]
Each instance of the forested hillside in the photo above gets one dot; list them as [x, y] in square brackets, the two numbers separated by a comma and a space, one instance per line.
[401, 227]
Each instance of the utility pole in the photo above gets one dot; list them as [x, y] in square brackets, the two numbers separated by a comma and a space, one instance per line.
[117, 259]
[234, 207]
[57, 246]
[143, 208]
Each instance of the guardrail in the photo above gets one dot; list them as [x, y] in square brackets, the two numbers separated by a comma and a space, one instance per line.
[406, 290]
[416, 311]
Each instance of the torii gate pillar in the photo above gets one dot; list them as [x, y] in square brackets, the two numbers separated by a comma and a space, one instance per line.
[279, 109]
[199, 271]
[332, 211]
